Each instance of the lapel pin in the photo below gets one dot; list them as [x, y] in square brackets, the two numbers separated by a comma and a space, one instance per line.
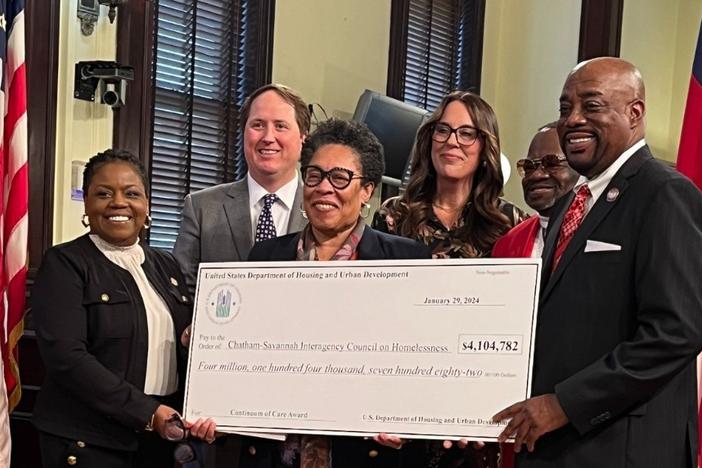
[612, 194]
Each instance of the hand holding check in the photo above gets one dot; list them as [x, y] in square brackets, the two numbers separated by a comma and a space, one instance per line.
[530, 419]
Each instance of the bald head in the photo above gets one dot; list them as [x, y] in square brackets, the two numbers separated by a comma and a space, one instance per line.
[625, 72]
[602, 110]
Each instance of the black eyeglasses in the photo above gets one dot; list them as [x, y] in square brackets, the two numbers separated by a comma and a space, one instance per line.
[465, 134]
[339, 177]
[549, 163]
[175, 430]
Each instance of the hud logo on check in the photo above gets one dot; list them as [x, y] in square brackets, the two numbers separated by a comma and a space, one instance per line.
[223, 303]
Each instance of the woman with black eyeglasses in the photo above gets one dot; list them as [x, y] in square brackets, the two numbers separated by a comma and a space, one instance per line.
[342, 163]
[453, 205]
[452, 202]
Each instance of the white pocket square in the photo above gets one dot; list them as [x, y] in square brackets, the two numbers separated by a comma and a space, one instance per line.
[597, 246]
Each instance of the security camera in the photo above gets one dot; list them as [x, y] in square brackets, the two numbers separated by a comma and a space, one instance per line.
[110, 76]
[113, 94]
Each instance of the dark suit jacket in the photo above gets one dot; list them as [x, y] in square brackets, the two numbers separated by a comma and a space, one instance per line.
[354, 452]
[374, 245]
[92, 335]
[618, 330]
[216, 227]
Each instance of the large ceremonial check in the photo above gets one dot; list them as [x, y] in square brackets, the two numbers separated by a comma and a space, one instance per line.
[418, 348]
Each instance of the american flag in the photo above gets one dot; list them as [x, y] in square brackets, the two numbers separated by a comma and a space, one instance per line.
[15, 190]
[690, 164]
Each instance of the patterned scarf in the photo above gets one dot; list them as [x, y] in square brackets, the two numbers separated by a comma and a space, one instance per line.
[307, 245]
[314, 450]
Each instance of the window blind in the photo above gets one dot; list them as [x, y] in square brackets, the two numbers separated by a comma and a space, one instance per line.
[443, 48]
[208, 56]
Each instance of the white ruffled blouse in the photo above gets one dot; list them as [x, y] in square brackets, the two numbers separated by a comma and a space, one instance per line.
[161, 366]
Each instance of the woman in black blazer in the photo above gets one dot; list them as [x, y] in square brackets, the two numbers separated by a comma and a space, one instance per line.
[342, 162]
[109, 315]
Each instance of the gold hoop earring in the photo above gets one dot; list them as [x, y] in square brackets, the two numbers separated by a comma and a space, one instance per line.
[85, 221]
[368, 208]
[303, 212]
[147, 222]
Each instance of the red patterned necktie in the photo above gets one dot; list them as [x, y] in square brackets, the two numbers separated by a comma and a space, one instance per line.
[571, 221]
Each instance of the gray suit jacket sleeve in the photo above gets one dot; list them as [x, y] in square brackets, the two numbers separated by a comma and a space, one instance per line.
[187, 246]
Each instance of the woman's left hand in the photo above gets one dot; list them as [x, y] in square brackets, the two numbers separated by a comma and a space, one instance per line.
[204, 429]
[389, 440]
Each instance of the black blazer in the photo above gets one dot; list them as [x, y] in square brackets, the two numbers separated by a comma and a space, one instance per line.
[92, 336]
[618, 330]
[374, 245]
[351, 452]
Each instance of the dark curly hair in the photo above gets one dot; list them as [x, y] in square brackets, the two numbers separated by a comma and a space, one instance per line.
[485, 222]
[355, 135]
[110, 156]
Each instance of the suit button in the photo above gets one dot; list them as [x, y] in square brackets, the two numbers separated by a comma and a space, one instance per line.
[71, 460]
[184, 298]
[252, 450]
[373, 453]
[104, 297]
[174, 282]
[80, 444]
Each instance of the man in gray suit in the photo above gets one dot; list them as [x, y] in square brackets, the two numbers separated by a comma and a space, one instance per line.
[221, 223]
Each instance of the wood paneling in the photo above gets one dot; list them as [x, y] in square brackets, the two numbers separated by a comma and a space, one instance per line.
[600, 28]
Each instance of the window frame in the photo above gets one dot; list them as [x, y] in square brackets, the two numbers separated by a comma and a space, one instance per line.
[397, 58]
[136, 30]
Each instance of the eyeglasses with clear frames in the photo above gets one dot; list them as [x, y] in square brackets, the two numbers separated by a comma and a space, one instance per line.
[465, 134]
[549, 163]
[339, 177]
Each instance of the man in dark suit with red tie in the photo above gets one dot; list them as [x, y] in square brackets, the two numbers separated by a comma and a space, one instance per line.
[620, 313]
[546, 177]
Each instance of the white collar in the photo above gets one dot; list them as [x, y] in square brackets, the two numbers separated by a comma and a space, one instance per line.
[599, 183]
[543, 221]
[286, 193]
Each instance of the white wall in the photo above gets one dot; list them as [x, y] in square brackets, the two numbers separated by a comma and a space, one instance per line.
[660, 38]
[528, 49]
[330, 51]
[82, 128]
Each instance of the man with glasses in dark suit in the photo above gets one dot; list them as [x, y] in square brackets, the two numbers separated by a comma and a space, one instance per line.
[546, 177]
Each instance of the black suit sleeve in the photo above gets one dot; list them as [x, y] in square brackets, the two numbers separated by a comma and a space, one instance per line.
[62, 330]
[259, 253]
[668, 335]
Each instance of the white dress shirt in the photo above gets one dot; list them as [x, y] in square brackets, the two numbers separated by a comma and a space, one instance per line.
[280, 209]
[538, 248]
[599, 183]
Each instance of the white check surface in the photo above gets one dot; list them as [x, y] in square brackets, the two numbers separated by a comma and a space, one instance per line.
[419, 348]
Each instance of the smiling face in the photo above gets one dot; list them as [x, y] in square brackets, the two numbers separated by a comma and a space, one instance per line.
[330, 210]
[116, 203]
[451, 160]
[272, 141]
[601, 114]
[541, 187]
